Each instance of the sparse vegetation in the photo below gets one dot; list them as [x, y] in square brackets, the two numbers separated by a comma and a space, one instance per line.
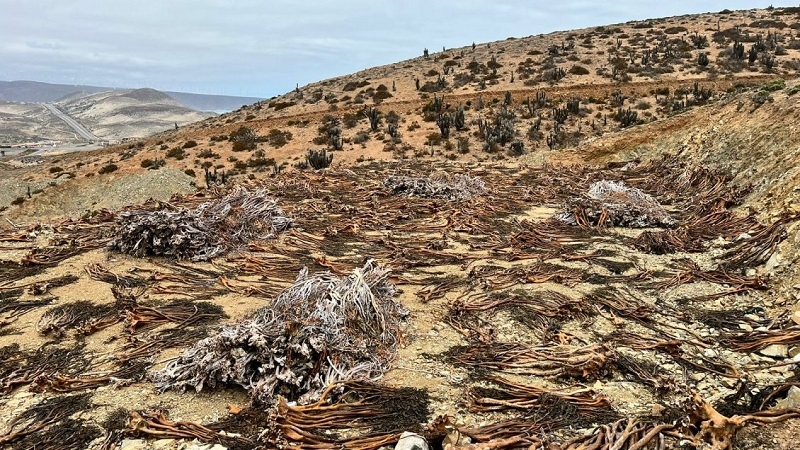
[243, 139]
[108, 168]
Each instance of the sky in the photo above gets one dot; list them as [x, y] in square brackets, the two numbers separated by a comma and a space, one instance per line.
[264, 48]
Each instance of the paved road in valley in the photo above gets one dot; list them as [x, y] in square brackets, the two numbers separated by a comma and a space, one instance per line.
[83, 132]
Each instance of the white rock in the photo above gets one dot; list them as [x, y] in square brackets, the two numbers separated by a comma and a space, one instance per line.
[411, 441]
[774, 261]
[456, 439]
[163, 444]
[197, 445]
[133, 444]
[792, 399]
[776, 351]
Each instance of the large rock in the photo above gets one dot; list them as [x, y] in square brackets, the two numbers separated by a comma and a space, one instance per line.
[411, 441]
[776, 351]
[133, 444]
[792, 399]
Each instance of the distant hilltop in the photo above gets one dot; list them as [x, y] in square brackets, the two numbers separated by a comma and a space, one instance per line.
[38, 92]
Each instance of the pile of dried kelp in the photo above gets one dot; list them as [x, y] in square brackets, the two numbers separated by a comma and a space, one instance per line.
[438, 185]
[212, 229]
[613, 203]
[320, 330]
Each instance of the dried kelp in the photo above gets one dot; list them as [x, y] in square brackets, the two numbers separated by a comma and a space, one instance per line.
[353, 415]
[586, 363]
[179, 312]
[645, 372]
[75, 315]
[12, 271]
[667, 241]
[69, 434]
[50, 412]
[688, 272]
[11, 309]
[146, 346]
[320, 330]
[50, 256]
[623, 302]
[56, 382]
[438, 185]
[540, 311]
[498, 277]
[757, 249]
[100, 273]
[611, 203]
[624, 433]
[155, 424]
[778, 332]
[48, 360]
[509, 395]
[212, 229]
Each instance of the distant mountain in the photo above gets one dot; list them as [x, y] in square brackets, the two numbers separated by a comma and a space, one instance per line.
[216, 103]
[37, 92]
[120, 113]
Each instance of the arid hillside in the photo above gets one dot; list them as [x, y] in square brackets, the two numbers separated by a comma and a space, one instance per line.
[130, 114]
[582, 240]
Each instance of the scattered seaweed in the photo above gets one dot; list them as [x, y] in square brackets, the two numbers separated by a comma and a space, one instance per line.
[439, 185]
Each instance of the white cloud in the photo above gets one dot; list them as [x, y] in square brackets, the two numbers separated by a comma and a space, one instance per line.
[265, 47]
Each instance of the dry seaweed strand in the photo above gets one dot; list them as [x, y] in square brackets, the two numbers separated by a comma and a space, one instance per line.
[48, 413]
[511, 395]
[586, 362]
[155, 424]
[372, 416]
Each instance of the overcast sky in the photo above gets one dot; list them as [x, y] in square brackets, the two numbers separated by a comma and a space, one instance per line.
[262, 48]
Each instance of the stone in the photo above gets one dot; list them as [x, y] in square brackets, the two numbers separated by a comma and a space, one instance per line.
[796, 317]
[697, 376]
[776, 351]
[411, 441]
[197, 445]
[773, 262]
[792, 399]
[656, 410]
[455, 439]
[133, 444]
[163, 444]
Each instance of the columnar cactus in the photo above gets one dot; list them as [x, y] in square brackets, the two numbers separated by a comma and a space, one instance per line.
[319, 159]
[459, 121]
[444, 122]
[374, 118]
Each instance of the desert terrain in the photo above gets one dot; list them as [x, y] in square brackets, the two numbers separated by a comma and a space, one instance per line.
[586, 239]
